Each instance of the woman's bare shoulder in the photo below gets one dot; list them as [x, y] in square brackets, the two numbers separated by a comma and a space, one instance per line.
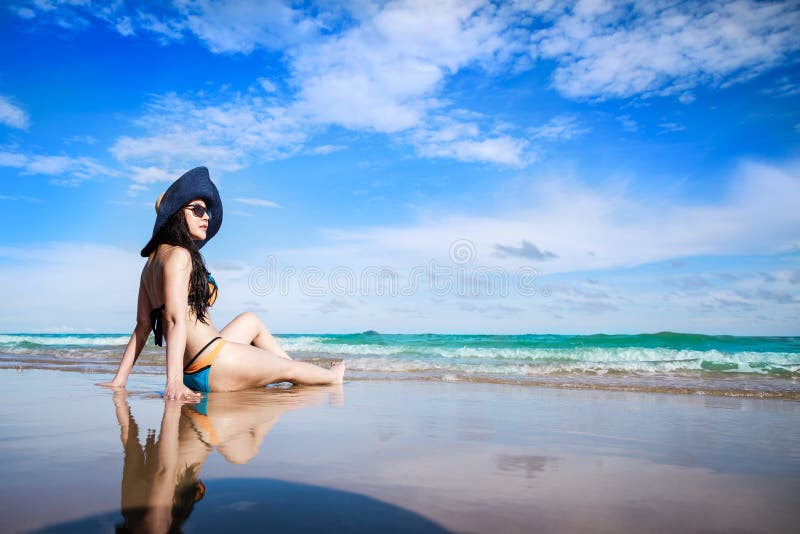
[173, 257]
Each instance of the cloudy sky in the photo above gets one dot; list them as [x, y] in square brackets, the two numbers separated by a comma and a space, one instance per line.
[410, 166]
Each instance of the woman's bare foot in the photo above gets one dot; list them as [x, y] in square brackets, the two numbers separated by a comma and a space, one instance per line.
[338, 368]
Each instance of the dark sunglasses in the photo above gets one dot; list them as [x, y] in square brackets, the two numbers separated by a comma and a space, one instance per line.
[199, 210]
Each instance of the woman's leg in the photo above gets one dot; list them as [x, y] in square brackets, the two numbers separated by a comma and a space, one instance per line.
[248, 328]
[239, 366]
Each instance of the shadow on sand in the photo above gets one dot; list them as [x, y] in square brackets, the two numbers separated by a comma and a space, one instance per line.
[247, 505]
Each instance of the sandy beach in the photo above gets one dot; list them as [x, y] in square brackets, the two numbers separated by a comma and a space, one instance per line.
[392, 456]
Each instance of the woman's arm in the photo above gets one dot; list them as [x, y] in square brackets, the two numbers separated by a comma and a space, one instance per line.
[177, 272]
[158, 517]
[124, 418]
[137, 341]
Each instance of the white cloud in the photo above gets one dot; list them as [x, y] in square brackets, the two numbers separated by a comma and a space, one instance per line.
[323, 150]
[38, 274]
[462, 140]
[81, 167]
[334, 305]
[620, 49]
[70, 171]
[755, 215]
[628, 123]
[149, 175]
[48, 164]
[257, 202]
[125, 27]
[25, 13]
[384, 67]
[225, 26]
[239, 213]
[387, 60]
[20, 197]
[134, 190]
[177, 147]
[381, 72]
[671, 127]
[227, 136]
[591, 228]
[384, 73]
[267, 85]
[744, 295]
[87, 139]
[784, 87]
[100, 295]
[504, 150]
[68, 14]
[560, 128]
[13, 159]
[166, 30]
[380, 75]
[12, 115]
[243, 25]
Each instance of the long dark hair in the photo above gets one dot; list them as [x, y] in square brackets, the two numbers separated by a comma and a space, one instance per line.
[176, 232]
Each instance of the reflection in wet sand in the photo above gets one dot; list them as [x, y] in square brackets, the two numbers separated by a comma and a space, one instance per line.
[528, 464]
[163, 491]
[160, 480]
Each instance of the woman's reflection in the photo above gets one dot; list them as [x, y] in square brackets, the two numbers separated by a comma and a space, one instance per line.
[160, 482]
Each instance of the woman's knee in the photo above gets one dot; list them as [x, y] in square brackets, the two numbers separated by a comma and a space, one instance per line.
[245, 317]
[252, 319]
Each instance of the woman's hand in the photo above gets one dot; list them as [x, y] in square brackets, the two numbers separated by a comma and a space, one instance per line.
[178, 391]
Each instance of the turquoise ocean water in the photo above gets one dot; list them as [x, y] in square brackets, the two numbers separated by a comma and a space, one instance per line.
[665, 361]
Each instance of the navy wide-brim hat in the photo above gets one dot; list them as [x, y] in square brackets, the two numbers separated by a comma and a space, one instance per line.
[196, 183]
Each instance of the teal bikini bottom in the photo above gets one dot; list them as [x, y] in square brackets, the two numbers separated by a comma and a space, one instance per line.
[195, 374]
[198, 381]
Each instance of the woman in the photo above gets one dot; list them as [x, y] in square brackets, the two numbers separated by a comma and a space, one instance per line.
[175, 292]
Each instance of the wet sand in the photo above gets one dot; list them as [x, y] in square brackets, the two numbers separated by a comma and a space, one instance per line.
[392, 456]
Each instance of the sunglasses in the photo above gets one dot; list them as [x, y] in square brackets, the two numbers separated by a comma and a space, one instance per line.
[198, 210]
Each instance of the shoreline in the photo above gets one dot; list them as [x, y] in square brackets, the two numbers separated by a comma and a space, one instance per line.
[770, 387]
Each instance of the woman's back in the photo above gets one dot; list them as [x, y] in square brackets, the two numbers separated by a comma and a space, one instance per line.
[152, 279]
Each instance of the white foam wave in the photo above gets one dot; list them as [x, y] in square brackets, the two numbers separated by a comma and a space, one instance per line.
[289, 343]
[599, 356]
[450, 361]
[507, 368]
[64, 340]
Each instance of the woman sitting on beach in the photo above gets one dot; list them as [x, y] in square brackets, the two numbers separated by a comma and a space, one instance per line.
[175, 292]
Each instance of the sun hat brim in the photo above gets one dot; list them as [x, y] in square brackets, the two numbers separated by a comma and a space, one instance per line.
[195, 183]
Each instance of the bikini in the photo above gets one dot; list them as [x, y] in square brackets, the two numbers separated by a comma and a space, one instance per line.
[198, 417]
[195, 373]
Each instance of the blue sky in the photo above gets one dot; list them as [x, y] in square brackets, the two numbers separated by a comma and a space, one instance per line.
[635, 163]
